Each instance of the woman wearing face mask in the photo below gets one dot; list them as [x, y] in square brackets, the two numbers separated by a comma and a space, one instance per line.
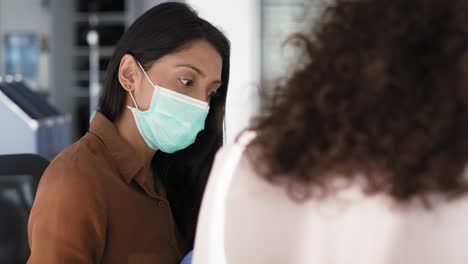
[129, 190]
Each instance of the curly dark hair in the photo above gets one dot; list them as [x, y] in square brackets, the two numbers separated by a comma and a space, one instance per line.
[384, 95]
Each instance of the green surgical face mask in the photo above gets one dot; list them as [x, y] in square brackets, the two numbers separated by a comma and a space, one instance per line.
[172, 121]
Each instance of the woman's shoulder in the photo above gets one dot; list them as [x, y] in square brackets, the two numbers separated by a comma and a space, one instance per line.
[238, 146]
[80, 164]
[73, 179]
[264, 211]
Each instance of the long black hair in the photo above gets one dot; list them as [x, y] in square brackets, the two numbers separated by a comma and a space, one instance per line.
[165, 29]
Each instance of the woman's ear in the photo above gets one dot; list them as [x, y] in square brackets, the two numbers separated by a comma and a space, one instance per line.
[128, 71]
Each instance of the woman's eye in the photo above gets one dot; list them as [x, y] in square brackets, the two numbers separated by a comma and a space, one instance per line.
[186, 82]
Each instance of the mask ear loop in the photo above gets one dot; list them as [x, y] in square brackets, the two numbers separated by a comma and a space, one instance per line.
[147, 77]
[133, 99]
[144, 72]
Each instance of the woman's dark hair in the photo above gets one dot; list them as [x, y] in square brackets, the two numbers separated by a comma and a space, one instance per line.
[383, 95]
[165, 29]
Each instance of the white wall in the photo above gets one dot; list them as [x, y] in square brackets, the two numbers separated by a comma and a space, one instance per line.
[240, 20]
[282, 18]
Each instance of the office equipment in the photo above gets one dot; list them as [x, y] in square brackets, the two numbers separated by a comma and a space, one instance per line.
[29, 123]
[19, 178]
[21, 51]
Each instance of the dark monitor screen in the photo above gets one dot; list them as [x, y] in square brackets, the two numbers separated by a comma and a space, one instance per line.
[18, 189]
[16, 197]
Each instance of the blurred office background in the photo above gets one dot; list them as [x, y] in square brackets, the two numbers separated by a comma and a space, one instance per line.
[60, 49]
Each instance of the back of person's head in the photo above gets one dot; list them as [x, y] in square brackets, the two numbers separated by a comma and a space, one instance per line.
[384, 96]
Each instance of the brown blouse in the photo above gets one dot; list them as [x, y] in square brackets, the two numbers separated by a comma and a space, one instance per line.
[96, 203]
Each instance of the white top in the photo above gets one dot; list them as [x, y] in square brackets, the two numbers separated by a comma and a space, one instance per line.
[245, 219]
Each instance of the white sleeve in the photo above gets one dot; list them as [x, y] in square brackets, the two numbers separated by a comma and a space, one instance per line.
[209, 241]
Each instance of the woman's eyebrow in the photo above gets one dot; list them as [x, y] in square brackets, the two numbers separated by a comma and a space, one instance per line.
[197, 70]
[200, 72]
